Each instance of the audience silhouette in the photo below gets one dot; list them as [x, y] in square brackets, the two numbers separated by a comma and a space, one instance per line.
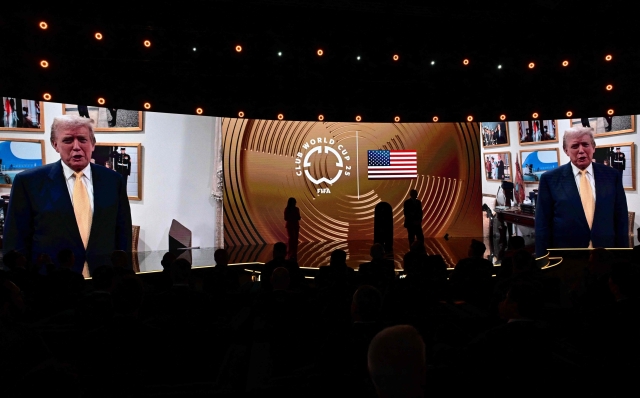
[384, 330]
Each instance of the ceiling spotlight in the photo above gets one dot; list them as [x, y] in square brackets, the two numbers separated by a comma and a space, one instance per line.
[280, 116]
[396, 119]
[320, 52]
[358, 118]
[469, 118]
[98, 36]
[608, 57]
[147, 105]
[44, 64]
[535, 115]
[465, 62]
[194, 49]
[240, 114]
[565, 63]
[569, 113]
[321, 117]
[279, 53]
[358, 58]
[610, 112]
[499, 66]
[609, 87]
[199, 111]
[147, 43]
[101, 101]
[396, 57]
[43, 25]
[435, 119]
[46, 96]
[531, 65]
[503, 117]
[433, 62]
[238, 48]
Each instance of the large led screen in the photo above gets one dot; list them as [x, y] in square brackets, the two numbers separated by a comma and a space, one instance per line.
[339, 172]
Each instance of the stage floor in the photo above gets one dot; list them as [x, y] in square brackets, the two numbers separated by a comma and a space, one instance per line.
[316, 254]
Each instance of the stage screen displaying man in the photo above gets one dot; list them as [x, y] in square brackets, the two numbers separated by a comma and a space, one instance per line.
[581, 204]
[70, 204]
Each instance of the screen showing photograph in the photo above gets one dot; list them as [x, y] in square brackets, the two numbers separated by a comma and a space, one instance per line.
[21, 114]
[17, 156]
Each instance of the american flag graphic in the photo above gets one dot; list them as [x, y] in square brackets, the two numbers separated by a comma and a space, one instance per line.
[386, 165]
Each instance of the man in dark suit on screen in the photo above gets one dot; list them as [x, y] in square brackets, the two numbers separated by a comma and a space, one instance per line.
[70, 204]
[581, 204]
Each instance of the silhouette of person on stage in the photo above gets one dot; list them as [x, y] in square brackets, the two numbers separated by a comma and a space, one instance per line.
[292, 218]
[413, 217]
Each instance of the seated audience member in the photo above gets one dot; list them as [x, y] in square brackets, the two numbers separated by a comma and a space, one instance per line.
[415, 258]
[471, 277]
[122, 355]
[379, 272]
[120, 261]
[397, 363]
[166, 262]
[278, 260]
[162, 280]
[22, 350]
[365, 306]
[514, 351]
[351, 345]
[624, 282]
[594, 289]
[506, 266]
[336, 273]
[180, 272]
[298, 283]
[44, 263]
[96, 308]
[280, 279]
[524, 270]
[365, 315]
[65, 286]
[181, 303]
[435, 272]
[221, 279]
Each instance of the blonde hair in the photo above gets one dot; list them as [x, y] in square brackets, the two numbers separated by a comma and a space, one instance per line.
[71, 122]
[577, 132]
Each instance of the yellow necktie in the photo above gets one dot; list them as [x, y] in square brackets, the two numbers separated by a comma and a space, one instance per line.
[586, 197]
[82, 209]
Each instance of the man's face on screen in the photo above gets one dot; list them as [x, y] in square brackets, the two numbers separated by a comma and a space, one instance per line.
[580, 151]
[75, 147]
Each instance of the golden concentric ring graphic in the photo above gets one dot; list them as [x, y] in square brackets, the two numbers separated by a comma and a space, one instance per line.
[268, 161]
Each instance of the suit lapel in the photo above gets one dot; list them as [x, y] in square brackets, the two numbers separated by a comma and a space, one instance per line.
[61, 200]
[98, 206]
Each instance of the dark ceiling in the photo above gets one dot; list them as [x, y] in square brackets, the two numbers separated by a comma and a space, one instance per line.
[301, 85]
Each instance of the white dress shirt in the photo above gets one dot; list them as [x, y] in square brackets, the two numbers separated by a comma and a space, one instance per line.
[592, 181]
[69, 176]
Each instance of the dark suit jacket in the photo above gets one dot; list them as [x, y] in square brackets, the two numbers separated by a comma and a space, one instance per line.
[40, 218]
[560, 219]
[412, 212]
